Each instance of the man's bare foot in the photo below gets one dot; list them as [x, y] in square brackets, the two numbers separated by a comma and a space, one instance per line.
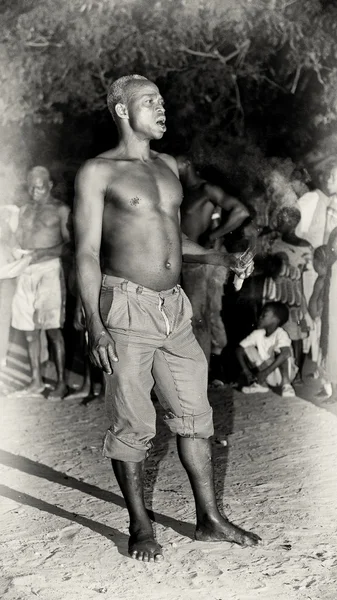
[58, 392]
[77, 394]
[143, 546]
[221, 530]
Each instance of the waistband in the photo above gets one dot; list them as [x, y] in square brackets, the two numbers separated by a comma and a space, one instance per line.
[130, 286]
[44, 265]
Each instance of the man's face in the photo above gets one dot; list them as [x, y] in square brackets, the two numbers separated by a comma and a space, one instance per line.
[267, 318]
[39, 188]
[331, 183]
[146, 111]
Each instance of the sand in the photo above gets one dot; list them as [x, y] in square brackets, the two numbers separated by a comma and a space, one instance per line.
[64, 525]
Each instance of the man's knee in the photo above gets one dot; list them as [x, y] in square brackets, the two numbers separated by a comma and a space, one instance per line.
[198, 426]
[130, 447]
[32, 336]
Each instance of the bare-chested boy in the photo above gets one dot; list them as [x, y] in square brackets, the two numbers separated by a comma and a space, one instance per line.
[138, 317]
[39, 300]
[203, 284]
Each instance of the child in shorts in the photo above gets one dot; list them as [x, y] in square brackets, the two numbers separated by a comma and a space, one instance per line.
[266, 356]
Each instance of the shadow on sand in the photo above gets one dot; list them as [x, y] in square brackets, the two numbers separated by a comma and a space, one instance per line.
[37, 469]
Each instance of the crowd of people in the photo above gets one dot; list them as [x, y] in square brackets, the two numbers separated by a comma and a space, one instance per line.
[294, 265]
[165, 278]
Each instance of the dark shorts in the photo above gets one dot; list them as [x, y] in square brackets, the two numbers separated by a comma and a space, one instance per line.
[155, 345]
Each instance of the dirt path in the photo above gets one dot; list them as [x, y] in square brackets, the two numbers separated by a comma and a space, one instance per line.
[64, 525]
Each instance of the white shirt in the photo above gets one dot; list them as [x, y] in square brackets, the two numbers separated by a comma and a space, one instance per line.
[313, 208]
[267, 345]
[331, 218]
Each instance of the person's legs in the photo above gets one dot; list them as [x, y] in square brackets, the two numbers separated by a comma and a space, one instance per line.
[34, 352]
[216, 281]
[142, 544]
[299, 358]
[132, 426]
[180, 372]
[287, 376]
[195, 284]
[57, 342]
[195, 455]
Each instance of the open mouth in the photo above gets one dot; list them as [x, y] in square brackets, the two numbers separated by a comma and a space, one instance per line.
[161, 121]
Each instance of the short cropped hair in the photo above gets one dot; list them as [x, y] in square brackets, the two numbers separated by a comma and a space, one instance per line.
[38, 172]
[287, 213]
[280, 311]
[119, 91]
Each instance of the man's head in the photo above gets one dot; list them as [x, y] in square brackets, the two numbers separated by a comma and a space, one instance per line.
[287, 219]
[274, 314]
[39, 184]
[136, 104]
[329, 178]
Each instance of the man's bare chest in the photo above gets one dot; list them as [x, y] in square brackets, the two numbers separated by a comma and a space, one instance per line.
[35, 219]
[145, 190]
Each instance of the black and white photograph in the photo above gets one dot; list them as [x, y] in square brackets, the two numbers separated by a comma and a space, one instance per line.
[168, 299]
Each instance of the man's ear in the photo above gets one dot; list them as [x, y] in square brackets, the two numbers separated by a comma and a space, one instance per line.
[121, 111]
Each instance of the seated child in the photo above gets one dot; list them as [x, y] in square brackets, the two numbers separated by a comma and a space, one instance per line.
[265, 355]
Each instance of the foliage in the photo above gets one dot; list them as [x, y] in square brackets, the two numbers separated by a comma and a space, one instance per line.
[258, 70]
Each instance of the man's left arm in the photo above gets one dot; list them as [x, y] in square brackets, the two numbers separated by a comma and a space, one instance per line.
[236, 211]
[194, 253]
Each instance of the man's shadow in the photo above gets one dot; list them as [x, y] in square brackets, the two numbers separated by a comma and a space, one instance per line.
[26, 465]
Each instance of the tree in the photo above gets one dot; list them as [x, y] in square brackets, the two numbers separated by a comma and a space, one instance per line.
[263, 69]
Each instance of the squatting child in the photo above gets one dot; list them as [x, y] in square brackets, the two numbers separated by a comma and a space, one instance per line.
[265, 356]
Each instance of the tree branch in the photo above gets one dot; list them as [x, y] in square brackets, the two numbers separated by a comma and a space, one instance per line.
[296, 79]
[216, 54]
[44, 44]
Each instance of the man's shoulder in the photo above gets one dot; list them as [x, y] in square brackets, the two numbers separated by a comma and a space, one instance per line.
[282, 336]
[96, 168]
[168, 159]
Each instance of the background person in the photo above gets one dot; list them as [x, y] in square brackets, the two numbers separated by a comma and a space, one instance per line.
[265, 355]
[208, 213]
[39, 300]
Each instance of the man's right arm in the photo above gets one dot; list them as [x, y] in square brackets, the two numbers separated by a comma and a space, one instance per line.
[88, 217]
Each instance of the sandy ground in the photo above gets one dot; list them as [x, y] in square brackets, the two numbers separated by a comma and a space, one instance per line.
[64, 524]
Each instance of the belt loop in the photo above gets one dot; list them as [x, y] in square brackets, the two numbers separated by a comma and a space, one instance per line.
[124, 285]
[103, 279]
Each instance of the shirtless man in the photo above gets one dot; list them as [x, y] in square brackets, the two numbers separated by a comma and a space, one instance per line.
[39, 300]
[207, 215]
[138, 317]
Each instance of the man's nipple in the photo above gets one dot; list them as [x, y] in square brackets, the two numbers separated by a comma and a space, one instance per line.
[168, 265]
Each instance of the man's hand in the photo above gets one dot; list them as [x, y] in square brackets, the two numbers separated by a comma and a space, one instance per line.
[102, 350]
[242, 263]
